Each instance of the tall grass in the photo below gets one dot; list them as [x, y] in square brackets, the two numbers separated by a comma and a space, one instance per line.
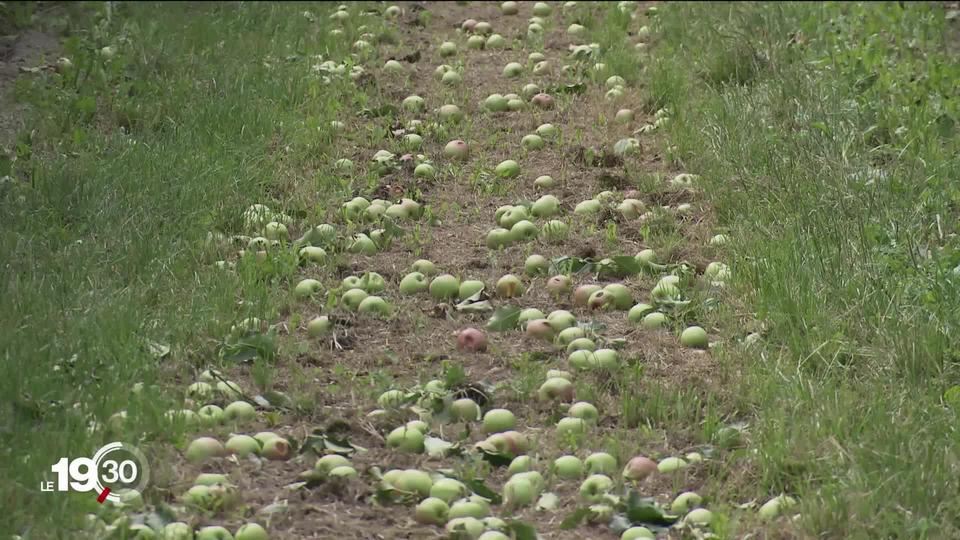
[826, 137]
[129, 162]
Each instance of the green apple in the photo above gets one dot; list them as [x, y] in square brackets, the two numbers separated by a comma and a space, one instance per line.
[535, 57]
[391, 399]
[239, 411]
[415, 103]
[493, 535]
[775, 506]
[425, 170]
[638, 312]
[600, 463]
[449, 113]
[581, 344]
[448, 490]
[685, 502]
[532, 142]
[210, 479]
[529, 90]
[362, 244]
[561, 319]
[251, 531]
[424, 266]
[542, 9]
[469, 288]
[515, 104]
[353, 298]
[545, 206]
[465, 527]
[468, 508]
[476, 42]
[630, 208]
[512, 70]
[313, 254]
[589, 206]
[330, 462]
[406, 440]
[509, 8]
[414, 283]
[638, 533]
[523, 230]
[451, 78]
[414, 481]
[495, 102]
[595, 487]
[177, 530]
[547, 131]
[520, 464]
[556, 389]
[607, 359]
[536, 265]
[444, 287]
[621, 295]
[529, 314]
[214, 532]
[499, 238]
[507, 169]
[671, 464]
[510, 286]
[544, 182]
[653, 321]
[576, 30]
[694, 337]
[512, 215]
[571, 426]
[665, 291]
[466, 410]
[694, 457]
[568, 467]
[699, 517]
[373, 282]
[307, 288]
[581, 360]
[392, 66]
[624, 116]
[277, 449]
[431, 511]
[447, 48]
[498, 421]
[210, 415]
[585, 411]
[496, 41]
[583, 294]
[518, 492]
[567, 335]
[242, 445]
[374, 305]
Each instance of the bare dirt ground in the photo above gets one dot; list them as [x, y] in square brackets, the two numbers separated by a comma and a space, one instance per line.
[24, 50]
[412, 346]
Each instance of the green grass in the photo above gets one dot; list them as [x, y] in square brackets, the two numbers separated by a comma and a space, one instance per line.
[128, 163]
[826, 135]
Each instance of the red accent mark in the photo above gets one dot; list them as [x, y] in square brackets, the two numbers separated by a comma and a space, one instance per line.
[103, 496]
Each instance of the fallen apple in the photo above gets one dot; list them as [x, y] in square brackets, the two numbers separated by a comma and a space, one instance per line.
[532, 142]
[482, 27]
[774, 507]
[424, 266]
[468, 508]
[431, 511]
[513, 69]
[576, 30]
[585, 411]
[694, 337]
[542, 9]
[581, 344]
[425, 170]
[543, 101]
[587, 207]
[568, 467]
[456, 149]
[498, 421]
[466, 410]
[493, 535]
[495, 102]
[654, 321]
[239, 411]
[600, 463]
[465, 527]
[353, 298]
[699, 516]
[177, 530]
[671, 464]
[414, 481]
[214, 532]
[509, 8]
[520, 464]
[536, 265]
[413, 283]
[638, 533]
[510, 286]
[251, 531]
[472, 340]
[330, 462]
[242, 445]
[499, 238]
[210, 415]
[607, 359]
[277, 449]
[569, 426]
[518, 492]
[476, 42]
[307, 288]
[546, 206]
[447, 113]
[555, 231]
[496, 41]
[375, 305]
[529, 314]
[507, 169]
[556, 389]
[685, 502]
[444, 287]
[567, 335]
[447, 48]
[448, 490]
[203, 449]
[624, 116]
[638, 312]
[540, 329]
[595, 487]
[561, 319]
[638, 468]
[414, 103]
[583, 293]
